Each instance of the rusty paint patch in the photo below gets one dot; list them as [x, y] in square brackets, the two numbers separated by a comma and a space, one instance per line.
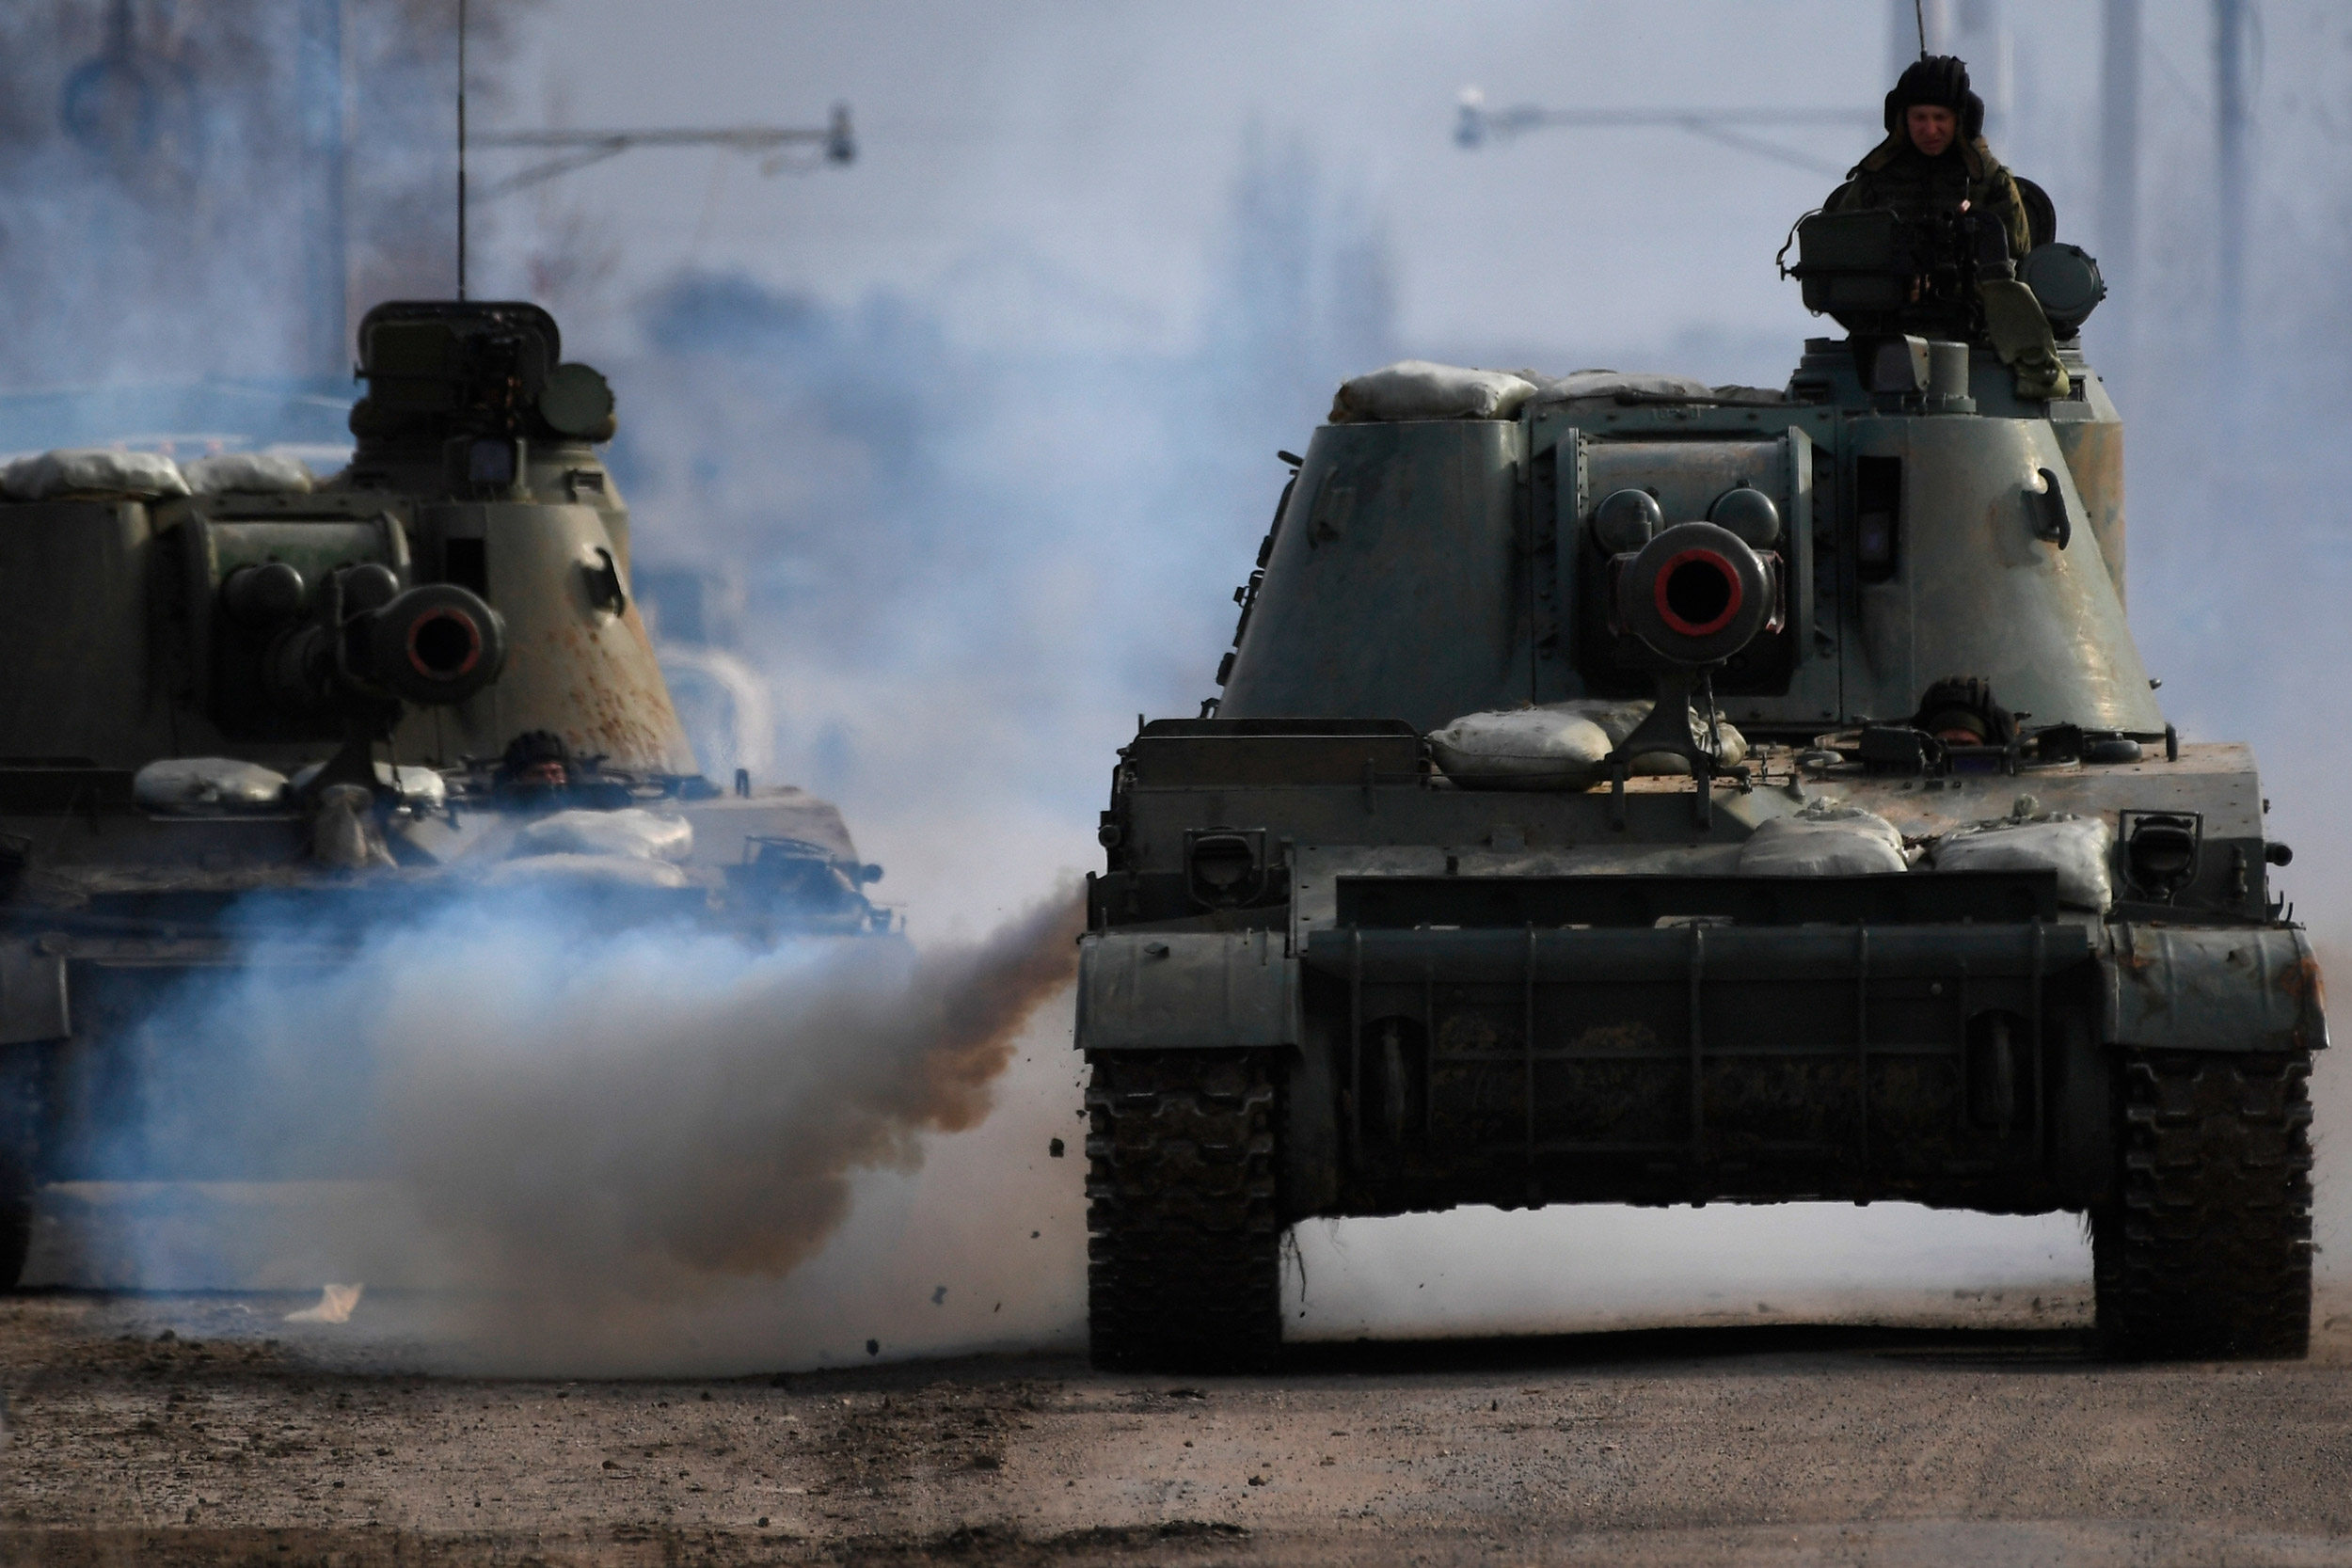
[2302, 981]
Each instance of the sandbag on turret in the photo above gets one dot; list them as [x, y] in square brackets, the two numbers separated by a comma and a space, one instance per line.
[248, 473]
[91, 470]
[1556, 746]
[1417, 389]
[1608, 386]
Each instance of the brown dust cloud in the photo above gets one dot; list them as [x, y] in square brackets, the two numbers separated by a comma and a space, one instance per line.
[634, 1152]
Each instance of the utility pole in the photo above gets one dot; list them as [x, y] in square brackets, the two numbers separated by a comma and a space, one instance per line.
[2118, 140]
[1983, 38]
[2230, 130]
[462, 201]
[326, 350]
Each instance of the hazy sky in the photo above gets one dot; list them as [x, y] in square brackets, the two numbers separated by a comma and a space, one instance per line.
[1059, 176]
[1062, 167]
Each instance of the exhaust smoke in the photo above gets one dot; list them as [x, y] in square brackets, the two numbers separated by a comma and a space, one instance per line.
[596, 1139]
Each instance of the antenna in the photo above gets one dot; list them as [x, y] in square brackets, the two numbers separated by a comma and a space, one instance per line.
[461, 149]
[1918, 14]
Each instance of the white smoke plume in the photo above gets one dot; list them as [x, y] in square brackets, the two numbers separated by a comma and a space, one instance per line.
[588, 1139]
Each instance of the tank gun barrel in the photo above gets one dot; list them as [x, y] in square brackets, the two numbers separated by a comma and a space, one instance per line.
[371, 644]
[1696, 593]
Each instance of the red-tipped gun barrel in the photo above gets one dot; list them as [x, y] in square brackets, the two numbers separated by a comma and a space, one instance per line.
[1697, 595]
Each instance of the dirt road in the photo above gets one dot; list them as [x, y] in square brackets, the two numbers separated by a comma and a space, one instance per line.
[202, 1430]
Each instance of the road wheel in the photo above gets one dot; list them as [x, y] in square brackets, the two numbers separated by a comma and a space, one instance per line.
[2208, 1254]
[1184, 1267]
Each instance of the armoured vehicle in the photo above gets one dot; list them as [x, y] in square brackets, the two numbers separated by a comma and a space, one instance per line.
[229, 688]
[1348, 958]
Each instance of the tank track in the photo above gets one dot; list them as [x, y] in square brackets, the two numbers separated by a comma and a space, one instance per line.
[2208, 1254]
[1183, 1265]
[16, 1223]
[18, 1159]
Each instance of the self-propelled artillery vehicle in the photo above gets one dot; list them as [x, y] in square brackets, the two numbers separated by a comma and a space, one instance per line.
[1629, 791]
[228, 688]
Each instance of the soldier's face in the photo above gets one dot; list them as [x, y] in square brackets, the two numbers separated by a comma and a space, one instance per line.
[1932, 127]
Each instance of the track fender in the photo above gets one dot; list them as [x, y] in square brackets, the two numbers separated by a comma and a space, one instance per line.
[1163, 990]
[2216, 989]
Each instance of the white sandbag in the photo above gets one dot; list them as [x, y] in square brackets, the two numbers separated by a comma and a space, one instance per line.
[1528, 748]
[1642, 385]
[586, 872]
[417, 787]
[248, 473]
[631, 831]
[1556, 746]
[1417, 389]
[69, 470]
[206, 785]
[2074, 846]
[1826, 839]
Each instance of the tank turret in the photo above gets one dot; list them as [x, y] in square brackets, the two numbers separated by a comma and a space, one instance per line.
[475, 417]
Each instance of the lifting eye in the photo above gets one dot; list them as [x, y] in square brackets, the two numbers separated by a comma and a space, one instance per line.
[2045, 510]
[604, 582]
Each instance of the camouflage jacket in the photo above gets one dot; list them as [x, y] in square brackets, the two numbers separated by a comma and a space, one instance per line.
[1895, 175]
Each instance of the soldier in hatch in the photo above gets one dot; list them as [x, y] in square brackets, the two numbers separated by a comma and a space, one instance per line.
[1934, 162]
[536, 768]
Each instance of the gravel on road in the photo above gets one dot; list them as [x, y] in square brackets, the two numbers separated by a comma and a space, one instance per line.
[205, 1430]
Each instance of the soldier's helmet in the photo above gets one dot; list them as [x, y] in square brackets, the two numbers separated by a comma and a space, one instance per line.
[534, 760]
[1940, 80]
[1959, 706]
